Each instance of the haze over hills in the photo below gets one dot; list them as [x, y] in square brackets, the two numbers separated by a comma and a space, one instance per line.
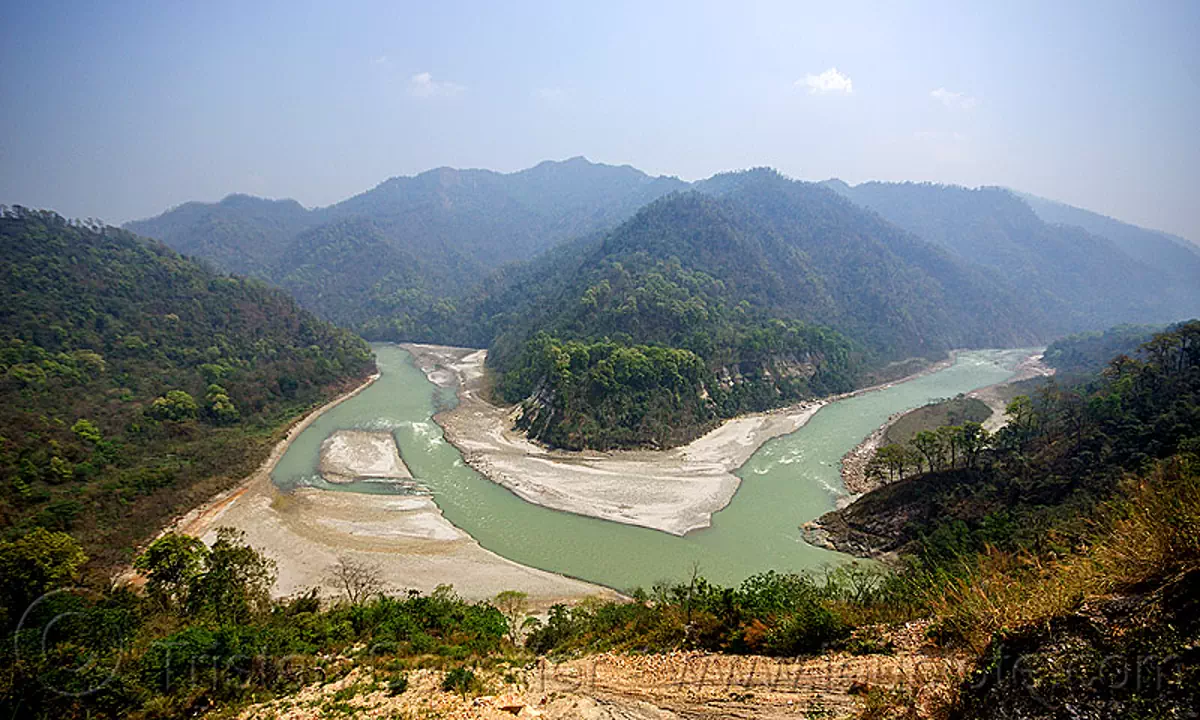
[1086, 279]
[773, 290]
[429, 237]
[588, 253]
[1160, 250]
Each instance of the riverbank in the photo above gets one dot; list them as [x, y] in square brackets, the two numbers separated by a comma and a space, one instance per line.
[854, 463]
[404, 538]
[675, 491]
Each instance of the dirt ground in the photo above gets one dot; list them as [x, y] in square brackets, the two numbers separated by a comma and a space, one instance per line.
[612, 686]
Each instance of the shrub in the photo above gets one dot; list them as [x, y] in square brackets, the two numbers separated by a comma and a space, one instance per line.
[460, 680]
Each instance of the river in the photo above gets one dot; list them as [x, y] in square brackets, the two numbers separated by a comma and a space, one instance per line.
[790, 480]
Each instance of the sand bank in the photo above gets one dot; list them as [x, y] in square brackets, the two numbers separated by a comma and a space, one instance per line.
[404, 536]
[349, 455]
[854, 463]
[995, 397]
[675, 490]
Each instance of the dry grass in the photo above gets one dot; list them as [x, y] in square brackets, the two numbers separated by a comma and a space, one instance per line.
[1152, 531]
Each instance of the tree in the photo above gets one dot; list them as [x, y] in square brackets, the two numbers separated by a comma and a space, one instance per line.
[33, 564]
[219, 407]
[929, 444]
[948, 437]
[359, 580]
[895, 458]
[972, 438]
[176, 405]
[171, 564]
[512, 604]
[236, 581]
[1021, 416]
[86, 431]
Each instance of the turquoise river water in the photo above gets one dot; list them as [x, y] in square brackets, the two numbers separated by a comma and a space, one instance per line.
[790, 480]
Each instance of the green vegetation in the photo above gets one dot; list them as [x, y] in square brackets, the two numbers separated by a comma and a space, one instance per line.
[206, 635]
[135, 383]
[605, 394]
[1089, 353]
[955, 411]
[740, 282]
[1073, 279]
[1071, 539]
[1062, 452]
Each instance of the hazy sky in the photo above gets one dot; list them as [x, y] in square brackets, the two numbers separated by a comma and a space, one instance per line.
[118, 110]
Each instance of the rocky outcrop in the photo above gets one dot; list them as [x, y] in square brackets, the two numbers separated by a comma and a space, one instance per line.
[882, 522]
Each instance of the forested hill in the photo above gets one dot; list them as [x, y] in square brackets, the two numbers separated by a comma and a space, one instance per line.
[706, 305]
[421, 258]
[1085, 280]
[1165, 253]
[134, 382]
[430, 237]
[241, 234]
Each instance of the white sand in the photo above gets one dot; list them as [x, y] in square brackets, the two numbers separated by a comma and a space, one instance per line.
[854, 463]
[1030, 367]
[675, 491]
[349, 455]
[404, 536]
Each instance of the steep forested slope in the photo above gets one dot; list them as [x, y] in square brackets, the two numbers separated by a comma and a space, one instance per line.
[1088, 353]
[1063, 549]
[770, 290]
[1084, 281]
[240, 234]
[896, 291]
[1169, 254]
[414, 246]
[133, 382]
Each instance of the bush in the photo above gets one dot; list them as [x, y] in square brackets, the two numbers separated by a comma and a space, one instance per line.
[397, 685]
[460, 680]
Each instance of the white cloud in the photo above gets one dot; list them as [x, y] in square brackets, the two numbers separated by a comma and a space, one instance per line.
[954, 100]
[423, 85]
[830, 81]
[383, 60]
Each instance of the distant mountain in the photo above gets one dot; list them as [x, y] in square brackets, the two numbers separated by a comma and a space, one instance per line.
[891, 289]
[134, 382]
[432, 236]
[1170, 254]
[241, 234]
[1082, 279]
[752, 291]
[431, 257]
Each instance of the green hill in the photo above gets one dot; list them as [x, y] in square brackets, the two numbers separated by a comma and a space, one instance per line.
[704, 305]
[395, 261]
[135, 382]
[1087, 279]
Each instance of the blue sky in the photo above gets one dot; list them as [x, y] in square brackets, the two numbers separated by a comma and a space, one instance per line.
[118, 110]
